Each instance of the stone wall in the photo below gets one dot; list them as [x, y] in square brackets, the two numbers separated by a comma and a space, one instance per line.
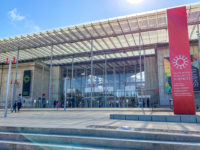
[36, 73]
[151, 78]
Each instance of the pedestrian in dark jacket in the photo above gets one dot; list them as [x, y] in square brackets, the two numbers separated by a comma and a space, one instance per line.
[15, 106]
[19, 102]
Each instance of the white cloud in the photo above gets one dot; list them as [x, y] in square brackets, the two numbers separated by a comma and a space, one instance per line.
[36, 28]
[15, 16]
[27, 22]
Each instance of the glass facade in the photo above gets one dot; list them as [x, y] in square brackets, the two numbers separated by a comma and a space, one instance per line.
[111, 87]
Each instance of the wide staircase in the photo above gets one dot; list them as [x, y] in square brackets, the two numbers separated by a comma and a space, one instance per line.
[23, 138]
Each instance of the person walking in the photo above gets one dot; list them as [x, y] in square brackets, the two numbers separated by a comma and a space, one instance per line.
[19, 102]
[14, 106]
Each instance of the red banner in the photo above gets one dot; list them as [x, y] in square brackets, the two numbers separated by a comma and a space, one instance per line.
[179, 50]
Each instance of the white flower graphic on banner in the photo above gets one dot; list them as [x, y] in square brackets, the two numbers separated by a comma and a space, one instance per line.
[180, 62]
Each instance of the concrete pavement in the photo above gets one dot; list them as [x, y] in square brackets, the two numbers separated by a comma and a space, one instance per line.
[94, 118]
[77, 129]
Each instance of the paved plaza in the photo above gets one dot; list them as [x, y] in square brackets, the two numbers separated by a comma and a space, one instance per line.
[89, 118]
[84, 128]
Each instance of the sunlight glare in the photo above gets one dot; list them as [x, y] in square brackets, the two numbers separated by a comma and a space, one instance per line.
[134, 1]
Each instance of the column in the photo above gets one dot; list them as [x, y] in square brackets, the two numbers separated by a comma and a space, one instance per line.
[50, 79]
[56, 83]
[91, 95]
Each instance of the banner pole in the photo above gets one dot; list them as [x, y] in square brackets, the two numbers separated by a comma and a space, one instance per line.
[8, 87]
[15, 82]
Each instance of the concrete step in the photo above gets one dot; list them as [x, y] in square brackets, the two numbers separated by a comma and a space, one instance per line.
[17, 141]
[137, 135]
[13, 145]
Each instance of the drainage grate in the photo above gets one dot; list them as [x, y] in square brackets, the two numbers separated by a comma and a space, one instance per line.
[102, 127]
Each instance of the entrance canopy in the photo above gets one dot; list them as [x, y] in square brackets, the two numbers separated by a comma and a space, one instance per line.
[116, 38]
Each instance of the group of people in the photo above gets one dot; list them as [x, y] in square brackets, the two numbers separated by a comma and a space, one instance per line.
[144, 102]
[17, 104]
[56, 104]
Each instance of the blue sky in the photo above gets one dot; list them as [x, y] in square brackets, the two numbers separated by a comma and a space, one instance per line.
[27, 16]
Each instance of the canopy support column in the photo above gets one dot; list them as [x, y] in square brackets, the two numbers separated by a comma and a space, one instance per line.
[114, 89]
[136, 92]
[91, 95]
[42, 85]
[65, 90]
[75, 101]
[85, 97]
[81, 89]
[50, 78]
[72, 81]
[66, 85]
[14, 83]
[140, 48]
[124, 85]
[144, 66]
[105, 83]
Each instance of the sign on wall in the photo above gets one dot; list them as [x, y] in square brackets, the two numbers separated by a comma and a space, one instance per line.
[180, 62]
[168, 81]
[195, 74]
[26, 83]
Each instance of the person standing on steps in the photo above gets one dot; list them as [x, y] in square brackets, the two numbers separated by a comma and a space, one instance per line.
[19, 102]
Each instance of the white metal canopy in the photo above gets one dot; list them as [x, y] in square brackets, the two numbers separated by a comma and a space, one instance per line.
[117, 38]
